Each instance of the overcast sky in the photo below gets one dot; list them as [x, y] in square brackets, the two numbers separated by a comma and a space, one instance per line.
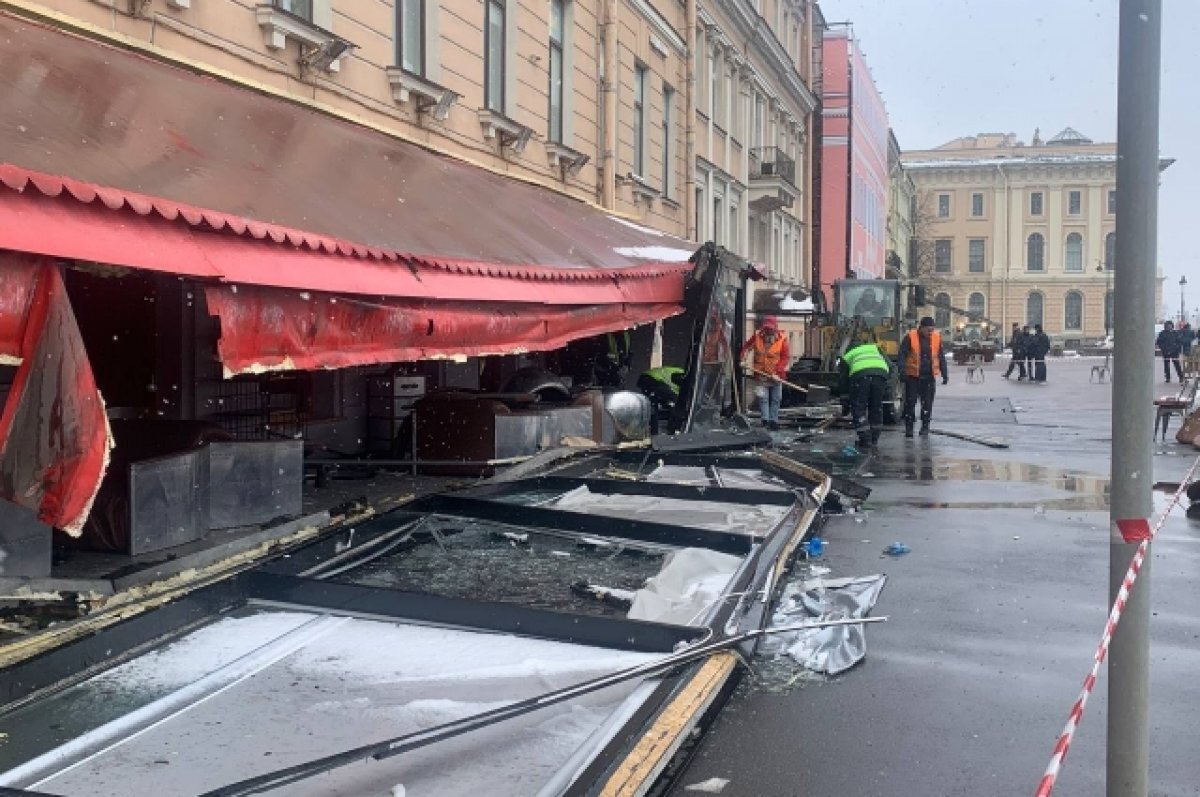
[954, 68]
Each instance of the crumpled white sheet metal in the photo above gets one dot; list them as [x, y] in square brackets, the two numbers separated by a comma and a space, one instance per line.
[825, 650]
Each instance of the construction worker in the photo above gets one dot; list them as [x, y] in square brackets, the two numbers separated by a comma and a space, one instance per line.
[769, 366]
[661, 386]
[923, 360]
[866, 371]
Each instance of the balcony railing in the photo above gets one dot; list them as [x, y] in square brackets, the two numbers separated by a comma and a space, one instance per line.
[772, 162]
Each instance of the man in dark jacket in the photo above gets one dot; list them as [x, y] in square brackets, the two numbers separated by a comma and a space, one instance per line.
[922, 360]
[1040, 348]
[1016, 347]
[1170, 347]
[1186, 337]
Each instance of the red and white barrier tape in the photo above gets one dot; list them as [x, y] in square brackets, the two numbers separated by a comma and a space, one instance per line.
[1130, 531]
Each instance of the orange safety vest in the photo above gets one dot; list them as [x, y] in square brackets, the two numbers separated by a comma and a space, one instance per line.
[766, 359]
[912, 363]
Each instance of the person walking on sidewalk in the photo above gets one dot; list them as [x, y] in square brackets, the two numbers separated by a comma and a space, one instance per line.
[1016, 347]
[770, 362]
[1170, 347]
[923, 360]
[866, 370]
[1041, 347]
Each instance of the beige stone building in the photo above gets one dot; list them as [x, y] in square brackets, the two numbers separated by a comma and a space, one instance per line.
[520, 88]
[1018, 232]
[753, 148]
[902, 200]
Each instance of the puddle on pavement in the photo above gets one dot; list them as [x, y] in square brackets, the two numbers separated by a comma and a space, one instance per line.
[1084, 491]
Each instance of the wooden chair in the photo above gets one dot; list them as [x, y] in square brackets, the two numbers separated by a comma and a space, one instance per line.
[1179, 405]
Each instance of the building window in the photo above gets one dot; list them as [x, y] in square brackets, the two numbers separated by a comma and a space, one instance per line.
[699, 220]
[759, 121]
[941, 311]
[975, 256]
[494, 56]
[1035, 255]
[718, 90]
[976, 305]
[1110, 251]
[1074, 203]
[1035, 203]
[301, 8]
[734, 228]
[557, 35]
[1108, 311]
[943, 206]
[410, 36]
[639, 119]
[717, 219]
[1073, 311]
[976, 205]
[941, 256]
[1074, 261]
[667, 149]
[1033, 309]
[1112, 202]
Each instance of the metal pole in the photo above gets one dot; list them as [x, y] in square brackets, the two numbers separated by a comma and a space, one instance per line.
[1132, 427]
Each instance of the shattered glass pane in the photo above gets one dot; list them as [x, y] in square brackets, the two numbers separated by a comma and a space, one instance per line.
[488, 561]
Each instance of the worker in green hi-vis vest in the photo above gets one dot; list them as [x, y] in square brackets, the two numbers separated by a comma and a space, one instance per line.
[866, 371]
[661, 386]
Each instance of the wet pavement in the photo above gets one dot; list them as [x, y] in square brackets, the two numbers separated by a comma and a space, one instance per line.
[995, 615]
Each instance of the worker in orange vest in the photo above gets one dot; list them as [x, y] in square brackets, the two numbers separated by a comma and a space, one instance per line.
[771, 360]
[922, 360]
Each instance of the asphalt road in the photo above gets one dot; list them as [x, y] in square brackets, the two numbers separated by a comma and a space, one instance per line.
[995, 616]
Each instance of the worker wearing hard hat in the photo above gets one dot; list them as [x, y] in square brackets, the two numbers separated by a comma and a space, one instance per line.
[769, 367]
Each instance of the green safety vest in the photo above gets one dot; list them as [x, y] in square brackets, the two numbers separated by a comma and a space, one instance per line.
[663, 374]
[865, 357]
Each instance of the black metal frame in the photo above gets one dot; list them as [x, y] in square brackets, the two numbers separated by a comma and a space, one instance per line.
[279, 582]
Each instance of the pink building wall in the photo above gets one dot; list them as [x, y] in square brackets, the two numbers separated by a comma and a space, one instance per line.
[854, 176]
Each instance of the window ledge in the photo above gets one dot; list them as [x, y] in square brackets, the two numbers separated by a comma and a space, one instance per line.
[326, 50]
[429, 97]
[642, 191]
[567, 160]
[510, 134]
[179, 3]
[671, 203]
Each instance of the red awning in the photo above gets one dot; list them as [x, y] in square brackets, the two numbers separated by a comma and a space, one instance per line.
[265, 329]
[54, 436]
[136, 163]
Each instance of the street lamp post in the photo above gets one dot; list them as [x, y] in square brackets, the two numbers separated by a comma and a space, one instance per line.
[1108, 297]
[1182, 311]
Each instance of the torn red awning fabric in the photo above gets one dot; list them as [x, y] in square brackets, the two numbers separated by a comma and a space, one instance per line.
[18, 281]
[265, 329]
[54, 435]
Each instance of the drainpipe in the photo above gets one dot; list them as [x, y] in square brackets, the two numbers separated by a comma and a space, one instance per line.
[608, 45]
[1007, 254]
[689, 124]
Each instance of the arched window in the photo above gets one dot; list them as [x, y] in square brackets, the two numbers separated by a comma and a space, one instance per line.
[1108, 311]
[1073, 311]
[1035, 255]
[941, 315]
[1110, 250]
[1074, 261]
[1033, 309]
[976, 305]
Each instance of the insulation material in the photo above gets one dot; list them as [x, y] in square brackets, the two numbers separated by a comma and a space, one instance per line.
[267, 329]
[688, 588]
[54, 436]
[749, 519]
